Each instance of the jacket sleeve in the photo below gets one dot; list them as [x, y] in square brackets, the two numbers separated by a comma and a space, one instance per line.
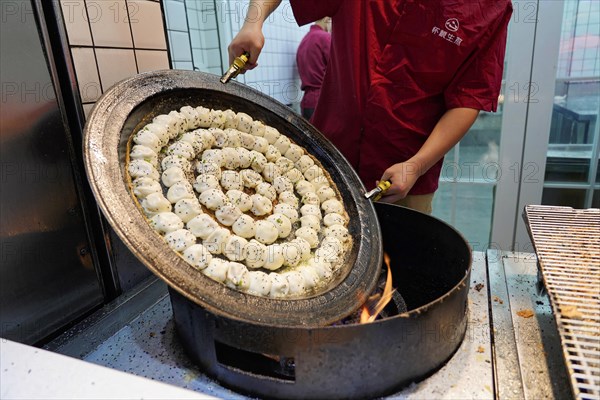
[307, 11]
[477, 83]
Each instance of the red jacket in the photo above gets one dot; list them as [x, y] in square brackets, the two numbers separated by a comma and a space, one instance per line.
[312, 58]
[397, 66]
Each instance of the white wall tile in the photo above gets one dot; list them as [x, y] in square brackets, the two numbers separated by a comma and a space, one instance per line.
[87, 73]
[176, 18]
[147, 24]
[115, 65]
[152, 60]
[78, 29]
[110, 23]
[184, 65]
[180, 46]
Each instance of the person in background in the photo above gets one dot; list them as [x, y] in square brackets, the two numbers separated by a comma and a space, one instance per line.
[405, 81]
[312, 58]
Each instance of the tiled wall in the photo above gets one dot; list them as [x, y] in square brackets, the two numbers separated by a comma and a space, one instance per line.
[200, 30]
[111, 40]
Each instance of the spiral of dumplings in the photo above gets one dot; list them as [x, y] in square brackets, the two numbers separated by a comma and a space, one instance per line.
[239, 201]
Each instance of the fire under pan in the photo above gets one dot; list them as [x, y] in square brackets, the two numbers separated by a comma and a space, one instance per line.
[567, 243]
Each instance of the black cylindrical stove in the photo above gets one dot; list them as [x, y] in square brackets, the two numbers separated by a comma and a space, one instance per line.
[430, 263]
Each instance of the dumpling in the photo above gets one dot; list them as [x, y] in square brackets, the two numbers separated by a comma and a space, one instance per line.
[194, 140]
[308, 234]
[274, 259]
[231, 180]
[257, 129]
[227, 214]
[245, 157]
[294, 152]
[266, 232]
[323, 268]
[140, 152]
[229, 118]
[283, 184]
[259, 161]
[270, 172]
[296, 282]
[197, 256]
[220, 137]
[234, 138]
[186, 209]
[256, 254]
[190, 115]
[204, 117]
[303, 187]
[303, 247]
[272, 154]
[235, 248]
[243, 122]
[247, 141]
[206, 182]
[260, 283]
[176, 161]
[282, 144]
[283, 224]
[146, 138]
[155, 203]
[180, 190]
[244, 226]
[288, 210]
[279, 286]
[145, 186]
[311, 221]
[208, 168]
[182, 149]
[339, 232]
[267, 190]
[260, 205]
[218, 119]
[250, 178]
[271, 134]
[334, 219]
[313, 173]
[215, 242]
[173, 175]
[291, 254]
[332, 206]
[260, 144]
[208, 138]
[284, 164]
[160, 131]
[294, 175]
[329, 251]
[289, 198]
[202, 225]
[217, 269]
[180, 239]
[310, 209]
[237, 276]
[325, 193]
[304, 163]
[214, 156]
[239, 199]
[310, 275]
[141, 168]
[212, 199]
[311, 198]
[180, 121]
[166, 222]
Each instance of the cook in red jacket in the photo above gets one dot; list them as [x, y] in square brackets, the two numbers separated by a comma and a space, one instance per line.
[405, 81]
[312, 58]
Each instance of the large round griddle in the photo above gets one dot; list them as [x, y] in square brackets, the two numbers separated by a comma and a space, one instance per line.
[131, 104]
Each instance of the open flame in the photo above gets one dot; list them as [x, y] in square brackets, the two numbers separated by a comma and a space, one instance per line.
[375, 304]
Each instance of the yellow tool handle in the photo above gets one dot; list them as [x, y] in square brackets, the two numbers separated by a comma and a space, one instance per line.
[379, 190]
[236, 67]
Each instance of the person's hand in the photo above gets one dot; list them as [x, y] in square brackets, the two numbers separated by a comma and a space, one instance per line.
[249, 39]
[403, 177]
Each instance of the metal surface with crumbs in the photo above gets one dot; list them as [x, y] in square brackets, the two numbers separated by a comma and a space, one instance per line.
[567, 243]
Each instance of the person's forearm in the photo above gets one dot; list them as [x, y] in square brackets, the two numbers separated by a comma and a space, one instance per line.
[449, 130]
[259, 11]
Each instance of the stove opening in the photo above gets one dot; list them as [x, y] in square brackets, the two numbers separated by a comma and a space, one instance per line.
[272, 366]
